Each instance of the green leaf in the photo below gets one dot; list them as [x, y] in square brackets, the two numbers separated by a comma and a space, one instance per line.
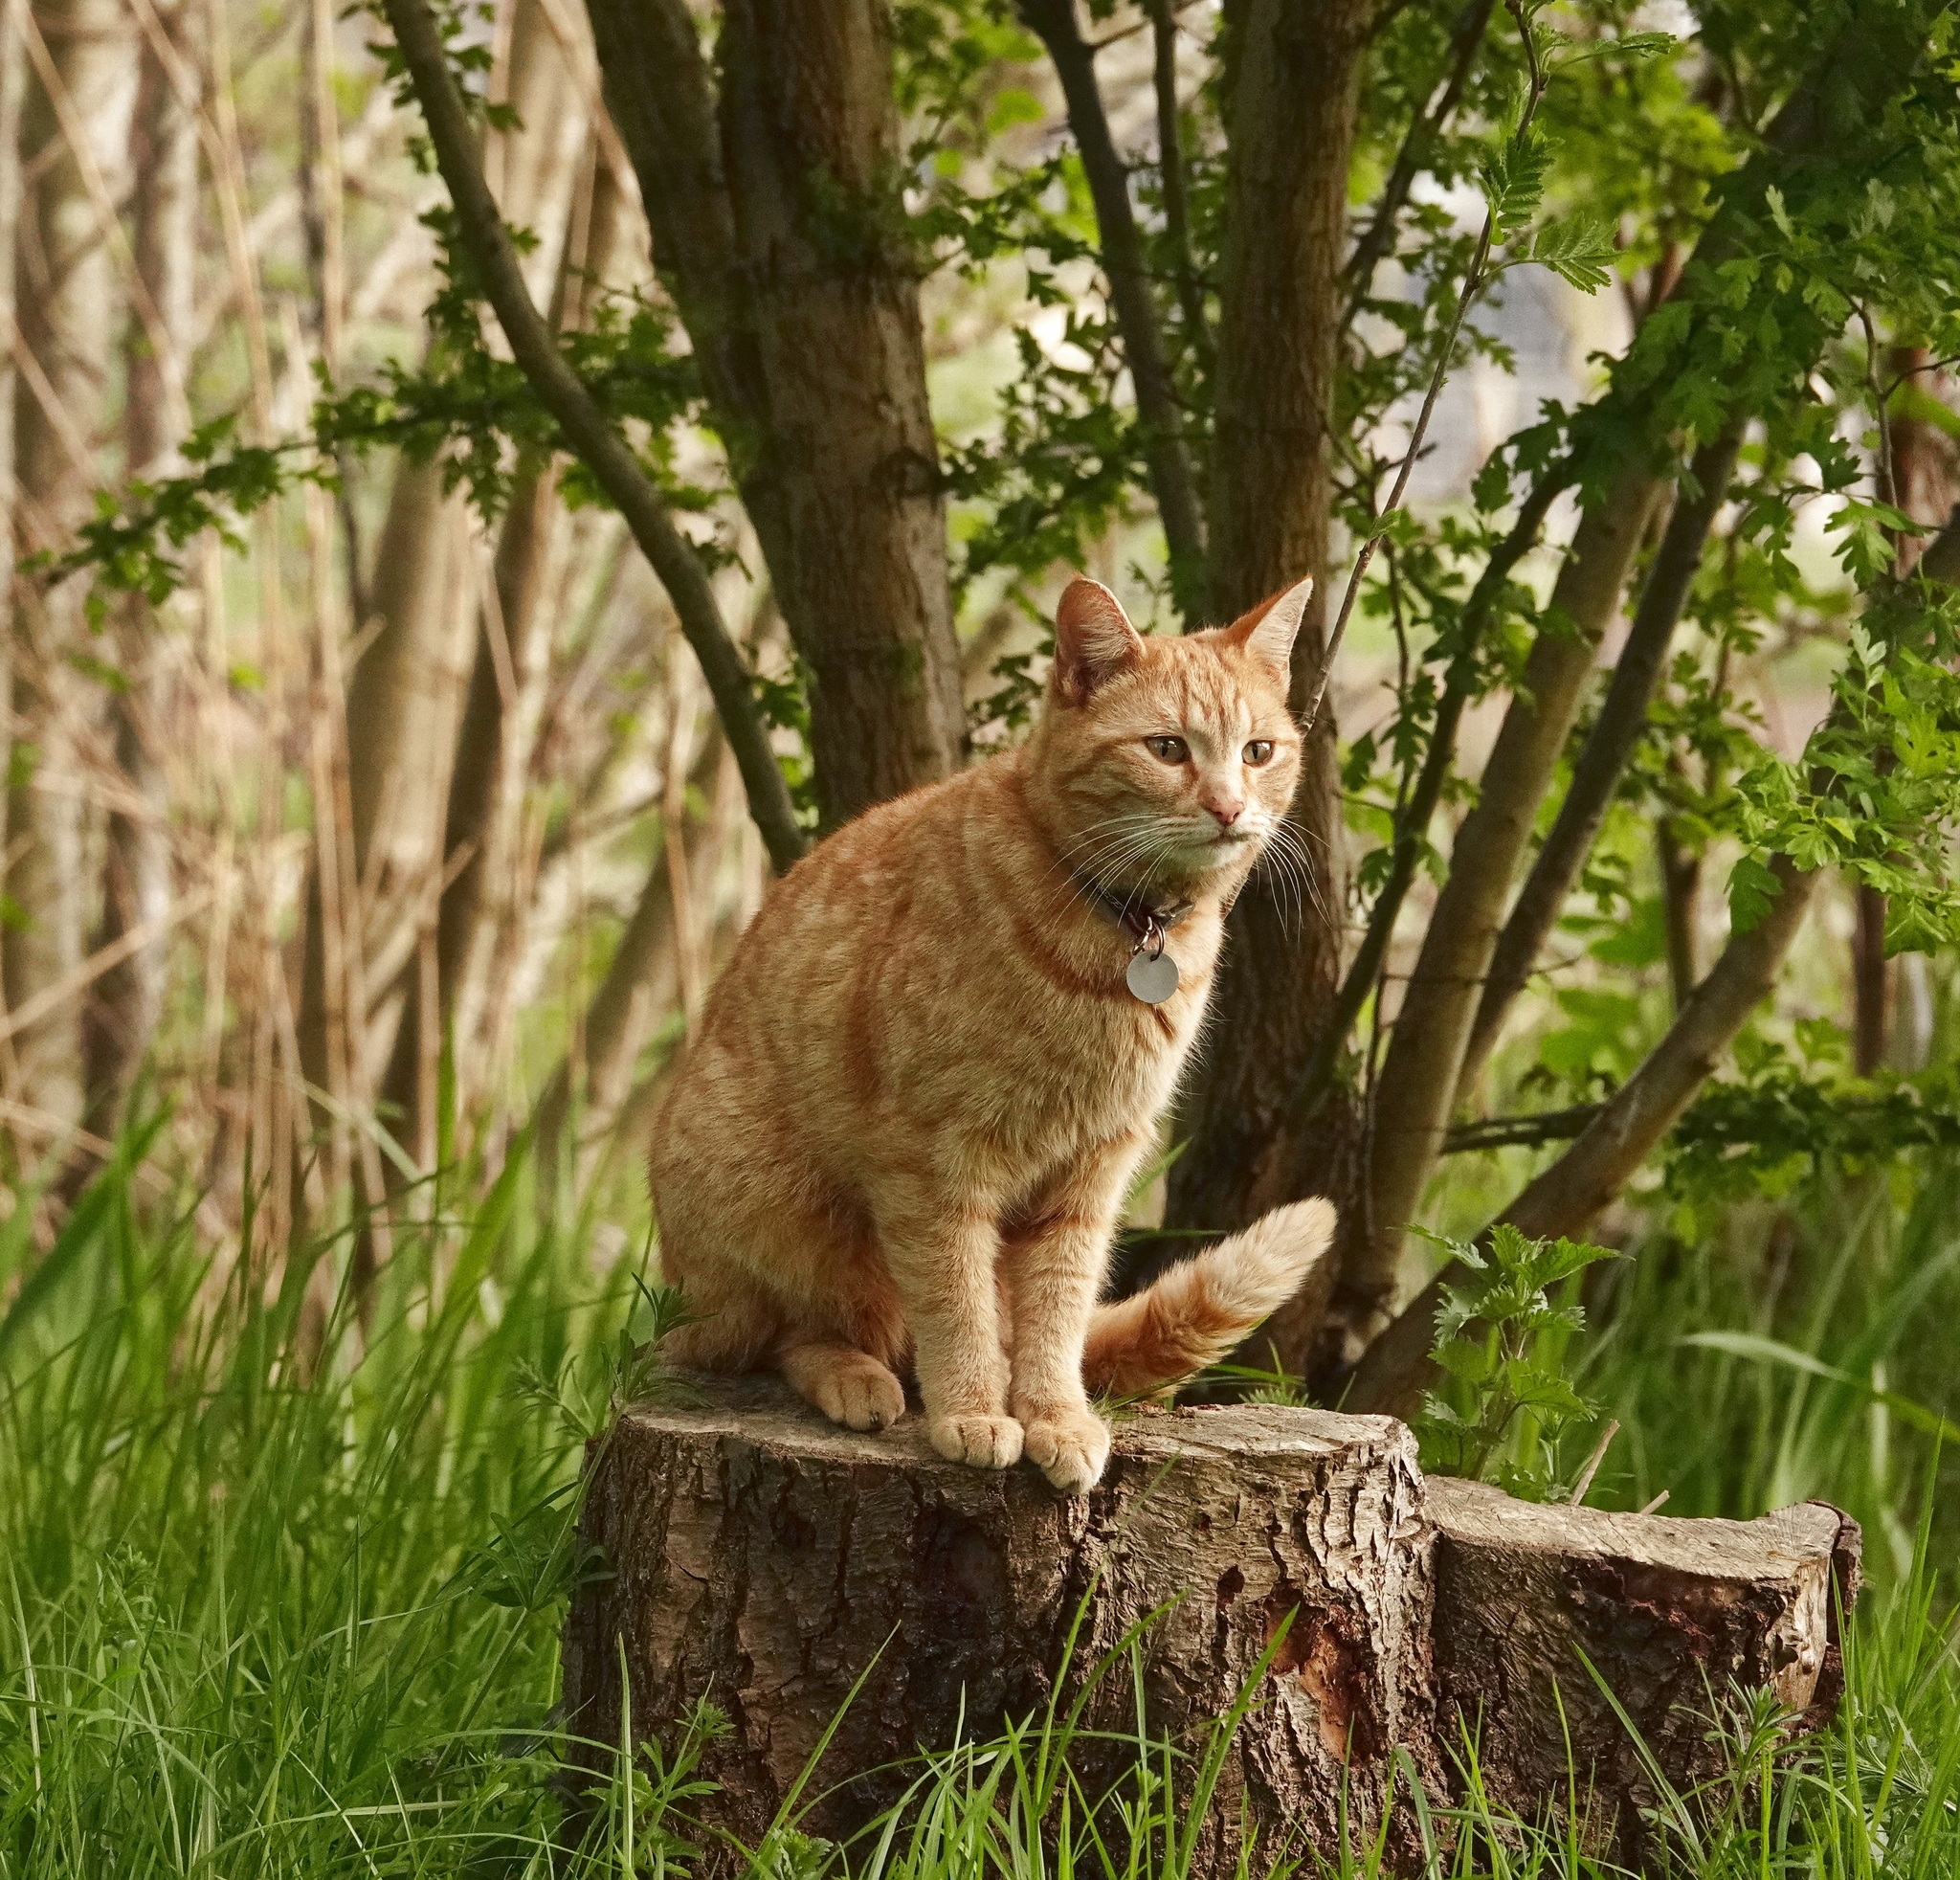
[1769, 1351]
[1753, 890]
[1580, 252]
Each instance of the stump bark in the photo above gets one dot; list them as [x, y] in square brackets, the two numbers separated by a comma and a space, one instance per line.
[765, 1560]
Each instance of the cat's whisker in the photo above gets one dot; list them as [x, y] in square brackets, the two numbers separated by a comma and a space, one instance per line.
[1278, 863]
[1303, 856]
[1293, 871]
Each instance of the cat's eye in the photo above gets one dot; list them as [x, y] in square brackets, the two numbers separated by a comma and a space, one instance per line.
[1172, 751]
[1259, 752]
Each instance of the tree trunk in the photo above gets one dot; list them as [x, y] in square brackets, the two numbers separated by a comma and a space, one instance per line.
[764, 1560]
[1416, 1088]
[78, 58]
[776, 214]
[1616, 734]
[120, 1015]
[1292, 122]
[387, 751]
[590, 1087]
[1920, 475]
[1567, 1197]
[1620, 1134]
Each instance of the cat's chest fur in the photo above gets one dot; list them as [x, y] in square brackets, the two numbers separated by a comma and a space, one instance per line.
[937, 978]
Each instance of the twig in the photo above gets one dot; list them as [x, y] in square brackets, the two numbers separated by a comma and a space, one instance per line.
[589, 430]
[1657, 1502]
[1379, 235]
[1473, 286]
[1520, 1131]
[1413, 817]
[1593, 1462]
[50, 998]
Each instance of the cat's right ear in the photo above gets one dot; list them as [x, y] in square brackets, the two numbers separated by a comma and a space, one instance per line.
[1094, 640]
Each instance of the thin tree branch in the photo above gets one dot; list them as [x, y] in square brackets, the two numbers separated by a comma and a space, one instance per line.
[1190, 290]
[1172, 482]
[1413, 821]
[1619, 729]
[590, 432]
[1379, 236]
[1520, 1131]
[1473, 285]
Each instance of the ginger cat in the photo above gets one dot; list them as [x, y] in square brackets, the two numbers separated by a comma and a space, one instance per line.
[921, 1089]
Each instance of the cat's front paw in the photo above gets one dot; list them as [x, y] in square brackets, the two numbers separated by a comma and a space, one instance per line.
[981, 1442]
[1069, 1446]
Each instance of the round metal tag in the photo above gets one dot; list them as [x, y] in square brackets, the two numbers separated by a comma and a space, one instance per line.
[1152, 981]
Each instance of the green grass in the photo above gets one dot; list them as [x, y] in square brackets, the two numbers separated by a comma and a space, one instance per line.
[280, 1591]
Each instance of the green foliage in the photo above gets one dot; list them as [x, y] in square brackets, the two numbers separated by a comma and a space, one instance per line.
[1790, 1114]
[1877, 790]
[1508, 1403]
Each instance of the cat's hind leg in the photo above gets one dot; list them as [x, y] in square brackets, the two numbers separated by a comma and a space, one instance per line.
[848, 1385]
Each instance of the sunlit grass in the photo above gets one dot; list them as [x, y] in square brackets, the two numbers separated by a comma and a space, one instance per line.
[280, 1591]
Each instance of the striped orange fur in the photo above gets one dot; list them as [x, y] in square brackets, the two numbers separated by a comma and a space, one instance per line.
[919, 1093]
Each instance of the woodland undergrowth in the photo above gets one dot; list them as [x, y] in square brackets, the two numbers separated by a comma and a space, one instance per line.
[280, 1582]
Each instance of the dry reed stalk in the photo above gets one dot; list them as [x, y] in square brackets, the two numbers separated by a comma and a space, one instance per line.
[75, 134]
[225, 155]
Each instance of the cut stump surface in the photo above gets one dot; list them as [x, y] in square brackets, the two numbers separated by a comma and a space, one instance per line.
[766, 1561]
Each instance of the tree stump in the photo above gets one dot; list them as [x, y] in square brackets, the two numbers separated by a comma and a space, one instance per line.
[1671, 1615]
[765, 1559]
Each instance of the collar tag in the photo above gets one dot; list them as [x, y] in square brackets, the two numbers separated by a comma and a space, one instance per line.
[1152, 975]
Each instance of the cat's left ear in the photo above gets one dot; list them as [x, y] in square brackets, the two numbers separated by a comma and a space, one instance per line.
[1269, 630]
[1094, 639]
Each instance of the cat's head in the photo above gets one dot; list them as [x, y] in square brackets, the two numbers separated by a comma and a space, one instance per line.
[1164, 760]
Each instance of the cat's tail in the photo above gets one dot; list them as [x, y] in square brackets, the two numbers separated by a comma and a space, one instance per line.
[1192, 1314]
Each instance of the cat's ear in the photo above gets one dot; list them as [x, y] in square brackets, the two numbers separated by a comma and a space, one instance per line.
[1094, 639]
[1269, 630]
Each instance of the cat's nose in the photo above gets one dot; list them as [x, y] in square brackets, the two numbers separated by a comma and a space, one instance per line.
[1226, 814]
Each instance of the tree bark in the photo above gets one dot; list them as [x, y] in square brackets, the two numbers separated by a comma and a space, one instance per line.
[763, 1560]
[1676, 1617]
[777, 223]
[1293, 109]
[120, 1016]
[13, 536]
